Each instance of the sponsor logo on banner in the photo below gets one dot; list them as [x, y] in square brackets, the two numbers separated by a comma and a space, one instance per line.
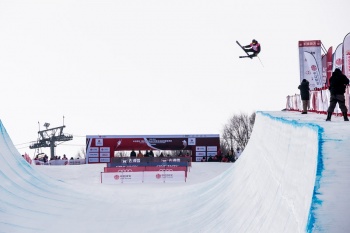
[339, 62]
[121, 177]
[211, 153]
[99, 141]
[93, 160]
[200, 148]
[105, 149]
[191, 141]
[104, 155]
[164, 177]
[93, 154]
[93, 149]
[212, 148]
[134, 160]
[200, 153]
[118, 143]
[105, 160]
[312, 43]
[338, 57]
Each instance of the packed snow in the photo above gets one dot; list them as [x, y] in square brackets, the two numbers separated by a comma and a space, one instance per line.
[292, 177]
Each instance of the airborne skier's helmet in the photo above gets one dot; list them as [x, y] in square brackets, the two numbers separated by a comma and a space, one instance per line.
[254, 41]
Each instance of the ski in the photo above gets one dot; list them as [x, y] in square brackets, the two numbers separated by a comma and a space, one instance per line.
[246, 56]
[244, 51]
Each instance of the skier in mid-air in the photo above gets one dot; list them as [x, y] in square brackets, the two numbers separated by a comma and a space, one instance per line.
[253, 47]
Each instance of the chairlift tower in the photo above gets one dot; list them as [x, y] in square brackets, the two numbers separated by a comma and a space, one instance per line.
[50, 138]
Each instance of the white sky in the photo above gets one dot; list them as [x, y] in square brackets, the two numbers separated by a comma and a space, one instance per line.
[151, 67]
[269, 188]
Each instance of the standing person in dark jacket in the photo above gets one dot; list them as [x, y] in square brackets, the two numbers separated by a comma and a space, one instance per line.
[305, 94]
[337, 85]
[133, 153]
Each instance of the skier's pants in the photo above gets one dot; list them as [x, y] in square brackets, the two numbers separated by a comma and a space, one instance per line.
[251, 50]
[305, 105]
[340, 99]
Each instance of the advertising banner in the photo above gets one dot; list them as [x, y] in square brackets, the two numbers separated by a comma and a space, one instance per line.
[167, 176]
[149, 160]
[310, 63]
[144, 169]
[329, 63]
[151, 164]
[121, 177]
[101, 148]
[338, 58]
[164, 177]
[346, 55]
[324, 67]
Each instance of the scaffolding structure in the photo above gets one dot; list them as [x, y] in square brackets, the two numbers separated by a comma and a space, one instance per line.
[50, 138]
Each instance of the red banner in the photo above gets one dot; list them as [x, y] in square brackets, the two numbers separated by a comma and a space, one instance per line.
[329, 64]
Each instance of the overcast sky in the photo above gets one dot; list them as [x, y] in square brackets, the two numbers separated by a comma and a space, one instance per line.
[151, 67]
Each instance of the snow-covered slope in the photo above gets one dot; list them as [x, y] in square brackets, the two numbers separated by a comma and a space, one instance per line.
[292, 177]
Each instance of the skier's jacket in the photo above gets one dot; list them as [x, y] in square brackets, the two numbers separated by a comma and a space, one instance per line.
[255, 47]
[338, 82]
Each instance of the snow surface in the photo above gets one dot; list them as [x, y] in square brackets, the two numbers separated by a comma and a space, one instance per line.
[292, 177]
